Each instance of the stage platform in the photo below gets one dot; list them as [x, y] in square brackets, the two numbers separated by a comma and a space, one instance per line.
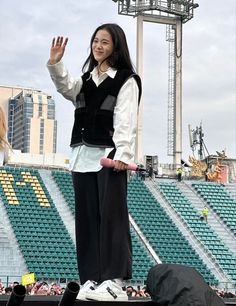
[54, 301]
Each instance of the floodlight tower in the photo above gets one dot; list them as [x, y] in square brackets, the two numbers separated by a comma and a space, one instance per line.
[173, 13]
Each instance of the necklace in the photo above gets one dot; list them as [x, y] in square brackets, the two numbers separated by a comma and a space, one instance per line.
[100, 71]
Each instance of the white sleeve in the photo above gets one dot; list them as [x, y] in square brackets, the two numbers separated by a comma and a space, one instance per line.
[125, 121]
[65, 84]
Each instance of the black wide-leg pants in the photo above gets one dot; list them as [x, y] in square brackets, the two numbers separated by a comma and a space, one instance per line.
[103, 239]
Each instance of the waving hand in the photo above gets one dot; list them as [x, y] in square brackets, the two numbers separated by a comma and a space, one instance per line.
[57, 49]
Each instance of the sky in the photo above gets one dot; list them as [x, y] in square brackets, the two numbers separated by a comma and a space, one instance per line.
[209, 65]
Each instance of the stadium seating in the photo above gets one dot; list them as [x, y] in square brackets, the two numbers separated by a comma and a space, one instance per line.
[50, 252]
[162, 234]
[142, 261]
[64, 183]
[219, 200]
[202, 230]
[43, 239]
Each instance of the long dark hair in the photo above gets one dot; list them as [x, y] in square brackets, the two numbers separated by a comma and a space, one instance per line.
[120, 57]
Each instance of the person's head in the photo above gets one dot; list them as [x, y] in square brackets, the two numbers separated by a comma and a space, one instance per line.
[8, 290]
[43, 289]
[129, 289]
[108, 46]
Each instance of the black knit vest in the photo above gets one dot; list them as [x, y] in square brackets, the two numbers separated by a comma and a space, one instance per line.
[93, 117]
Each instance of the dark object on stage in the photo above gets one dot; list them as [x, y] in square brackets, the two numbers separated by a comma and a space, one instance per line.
[17, 296]
[177, 285]
[70, 294]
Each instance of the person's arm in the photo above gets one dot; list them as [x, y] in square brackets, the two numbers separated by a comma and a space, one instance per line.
[125, 124]
[65, 84]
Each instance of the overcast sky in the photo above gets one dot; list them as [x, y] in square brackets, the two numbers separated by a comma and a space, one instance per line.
[209, 64]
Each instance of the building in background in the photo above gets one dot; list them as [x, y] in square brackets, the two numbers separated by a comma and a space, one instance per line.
[30, 113]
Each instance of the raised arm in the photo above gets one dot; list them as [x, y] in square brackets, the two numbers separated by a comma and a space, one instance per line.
[57, 49]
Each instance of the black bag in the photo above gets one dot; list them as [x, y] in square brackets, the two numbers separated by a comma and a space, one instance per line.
[177, 285]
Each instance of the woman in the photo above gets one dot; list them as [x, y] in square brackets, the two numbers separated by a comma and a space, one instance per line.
[106, 103]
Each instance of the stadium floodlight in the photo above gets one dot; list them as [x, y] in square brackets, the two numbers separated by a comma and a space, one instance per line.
[17, 296]
[70, 294]
[171, 8]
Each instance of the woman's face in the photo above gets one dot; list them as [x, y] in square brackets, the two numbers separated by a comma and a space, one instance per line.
[102, 46]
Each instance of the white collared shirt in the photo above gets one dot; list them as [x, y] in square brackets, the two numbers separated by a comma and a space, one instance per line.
[87, 159]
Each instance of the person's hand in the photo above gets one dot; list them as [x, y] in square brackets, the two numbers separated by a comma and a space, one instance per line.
[119, 165]
[57, 49]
